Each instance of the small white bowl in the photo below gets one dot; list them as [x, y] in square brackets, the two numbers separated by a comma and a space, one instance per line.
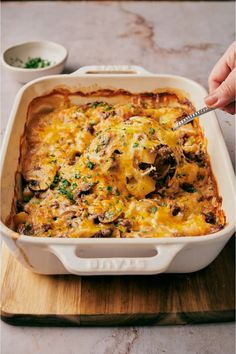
[15, 56]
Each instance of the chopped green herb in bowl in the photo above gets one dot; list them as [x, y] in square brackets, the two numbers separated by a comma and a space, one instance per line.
[36, 63]
[30, 60]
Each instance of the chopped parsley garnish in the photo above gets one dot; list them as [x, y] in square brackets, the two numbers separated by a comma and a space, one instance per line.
[27, 199]
[153, 210]
[188, 188]
[66, 193]
[96, 104]
[55, 181]
[109, 188]
[200, 177]
[77, 175]
[65, 183]
[74, 185]
[108, 108]
[90, 165]
[135, 145]
[36, 63]
[151, 130]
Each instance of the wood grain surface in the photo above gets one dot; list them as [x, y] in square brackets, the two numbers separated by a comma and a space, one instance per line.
[204, 296]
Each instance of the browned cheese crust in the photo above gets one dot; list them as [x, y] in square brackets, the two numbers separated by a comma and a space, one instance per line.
[113, 166]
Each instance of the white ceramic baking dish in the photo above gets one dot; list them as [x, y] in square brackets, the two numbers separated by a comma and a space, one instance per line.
[115, 256]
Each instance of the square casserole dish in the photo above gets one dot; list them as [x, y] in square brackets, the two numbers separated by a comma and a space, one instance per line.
[109, 256]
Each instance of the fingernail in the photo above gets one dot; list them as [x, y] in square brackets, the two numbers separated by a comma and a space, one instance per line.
[211, 99]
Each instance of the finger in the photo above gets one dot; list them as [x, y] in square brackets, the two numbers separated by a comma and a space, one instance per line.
[218, 74]
[231, 108]
[224, 94]
[222, 68]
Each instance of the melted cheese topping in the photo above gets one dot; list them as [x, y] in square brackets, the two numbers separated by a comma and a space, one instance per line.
[102, 170]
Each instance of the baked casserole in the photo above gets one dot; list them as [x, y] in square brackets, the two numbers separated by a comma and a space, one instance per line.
[114, 167]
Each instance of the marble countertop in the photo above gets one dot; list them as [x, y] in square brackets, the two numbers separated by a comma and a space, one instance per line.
[183, 38]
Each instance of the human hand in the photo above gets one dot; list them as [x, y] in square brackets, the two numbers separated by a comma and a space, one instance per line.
[222, 82]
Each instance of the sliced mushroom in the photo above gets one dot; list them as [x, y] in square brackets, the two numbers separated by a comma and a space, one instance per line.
[164, 166]
[144, 166]
[40, 178]
[74, 157]
[199, 158]
[210, 218]
[126, 224]
[25, 229]
[103, 233]
[90, 129]
[55, 204]
[38, 186]
[117, 152]
[175, 210]
[84, 188]
[101, 143]
[46, 227]
[109, 216]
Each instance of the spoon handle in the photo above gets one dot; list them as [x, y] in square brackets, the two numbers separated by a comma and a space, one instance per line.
[189, 118]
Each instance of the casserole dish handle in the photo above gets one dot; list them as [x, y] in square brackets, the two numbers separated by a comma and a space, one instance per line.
[132, 70]
[109, 266]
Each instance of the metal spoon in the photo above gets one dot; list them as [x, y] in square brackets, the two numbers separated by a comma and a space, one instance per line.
[189, 118]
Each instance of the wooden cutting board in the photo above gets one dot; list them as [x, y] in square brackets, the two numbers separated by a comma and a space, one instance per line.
[204, 296]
